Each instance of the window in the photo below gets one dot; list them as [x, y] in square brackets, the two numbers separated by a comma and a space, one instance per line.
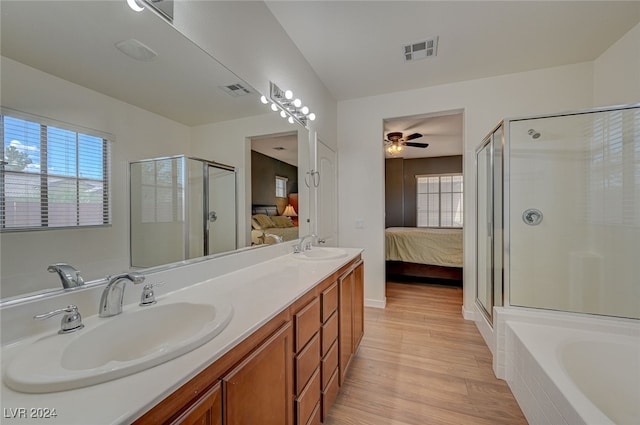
[281, 187]
[52, 176]
[439, 201]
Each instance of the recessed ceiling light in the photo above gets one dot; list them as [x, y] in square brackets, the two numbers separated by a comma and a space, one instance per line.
[136, 50]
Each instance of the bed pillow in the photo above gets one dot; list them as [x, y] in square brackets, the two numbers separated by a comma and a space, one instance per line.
[261, 221]
[282, 221]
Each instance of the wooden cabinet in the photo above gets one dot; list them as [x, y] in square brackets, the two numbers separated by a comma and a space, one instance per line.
[307, 355]
[351, 315]
[329, 332]
[207, 410]
[259, 389]
[287, 372]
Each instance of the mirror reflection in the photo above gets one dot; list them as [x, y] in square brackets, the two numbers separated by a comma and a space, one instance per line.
[133, 79]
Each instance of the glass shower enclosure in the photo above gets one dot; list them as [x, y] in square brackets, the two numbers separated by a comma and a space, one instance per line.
[567, 188]
[181, 208]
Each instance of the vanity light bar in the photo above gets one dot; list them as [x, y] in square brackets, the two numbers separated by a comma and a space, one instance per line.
[289, 107]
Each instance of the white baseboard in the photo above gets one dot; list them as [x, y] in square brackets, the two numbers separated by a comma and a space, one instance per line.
[468, 314]
[375, 303]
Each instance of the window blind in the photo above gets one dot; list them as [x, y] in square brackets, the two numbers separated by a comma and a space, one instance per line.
[52, 176]
[439, 201]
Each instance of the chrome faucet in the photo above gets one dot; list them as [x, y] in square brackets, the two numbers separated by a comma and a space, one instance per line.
[69, 276]
[113, 294]
[301, 246]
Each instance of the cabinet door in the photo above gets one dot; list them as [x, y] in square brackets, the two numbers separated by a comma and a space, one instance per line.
[358, 305]
[259, 390]
[206, 411]
[345, 319]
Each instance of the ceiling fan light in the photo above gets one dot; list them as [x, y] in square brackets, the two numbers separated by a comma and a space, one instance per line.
[288, 95]
[283, 114]
[274, 107]
[290, 120]
[297, 103]
[304, 110]
[312, 117]
[264, 99]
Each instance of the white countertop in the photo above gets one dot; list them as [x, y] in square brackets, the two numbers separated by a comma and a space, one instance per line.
[258, 293]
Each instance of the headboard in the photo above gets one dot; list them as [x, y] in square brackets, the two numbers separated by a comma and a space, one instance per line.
[264, 209]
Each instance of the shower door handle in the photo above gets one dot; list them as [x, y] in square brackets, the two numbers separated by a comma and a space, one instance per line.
[213, 216]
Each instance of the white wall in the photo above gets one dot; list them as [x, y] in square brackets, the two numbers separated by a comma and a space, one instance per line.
[229, 142]
[616, 73]
[138, 134]
[247, 38]
[484, 101]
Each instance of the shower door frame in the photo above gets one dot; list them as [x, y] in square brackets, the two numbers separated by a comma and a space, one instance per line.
[506, 161]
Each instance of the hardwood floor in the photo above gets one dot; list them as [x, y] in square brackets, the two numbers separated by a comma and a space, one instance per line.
[421, 363]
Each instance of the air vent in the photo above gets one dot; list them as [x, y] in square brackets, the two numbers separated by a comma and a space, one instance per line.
[421, 49]
[236, 90]
[279, 148]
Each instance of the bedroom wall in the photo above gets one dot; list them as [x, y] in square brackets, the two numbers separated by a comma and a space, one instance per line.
[394, 192]
[485, 102]
[264, 170]
[400, 185]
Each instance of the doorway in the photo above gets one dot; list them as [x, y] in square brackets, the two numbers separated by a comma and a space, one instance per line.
[424, 190]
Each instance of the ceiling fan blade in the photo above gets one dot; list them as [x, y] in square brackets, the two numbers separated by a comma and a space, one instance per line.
[417, 145]
[413, 136]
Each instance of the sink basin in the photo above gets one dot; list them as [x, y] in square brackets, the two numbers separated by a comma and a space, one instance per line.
[115, 347]
[317, 253]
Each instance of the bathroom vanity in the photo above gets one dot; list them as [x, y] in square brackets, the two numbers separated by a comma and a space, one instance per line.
[281, 359]
[288, 371]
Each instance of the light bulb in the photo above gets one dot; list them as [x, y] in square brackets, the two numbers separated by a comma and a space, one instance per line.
[288, 94]
[304, 110]
[290, 120]
[297, 103]
[312, 117]
[274, 107]
[264, 100]
[133, 4]
[283, 114]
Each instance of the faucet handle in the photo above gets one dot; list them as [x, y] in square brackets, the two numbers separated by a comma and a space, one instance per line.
[71, 321]
[148, 297]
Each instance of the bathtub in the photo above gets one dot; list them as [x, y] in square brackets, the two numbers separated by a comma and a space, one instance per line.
[573, 372]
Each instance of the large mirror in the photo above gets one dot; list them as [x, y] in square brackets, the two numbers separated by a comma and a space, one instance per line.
[157, 95]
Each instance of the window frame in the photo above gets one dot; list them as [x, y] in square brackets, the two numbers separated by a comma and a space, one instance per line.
[105, 160]
[439, 176]
[286, 183]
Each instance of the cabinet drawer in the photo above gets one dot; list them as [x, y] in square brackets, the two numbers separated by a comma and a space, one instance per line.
[307, 323]
[329, 333]
[329, 364]
[315, 416]
[306, 402]
[329, 298]
[329, 394]
[307, 362]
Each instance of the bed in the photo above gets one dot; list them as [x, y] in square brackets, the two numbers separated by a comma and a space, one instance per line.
[267, 227]
[425, 253]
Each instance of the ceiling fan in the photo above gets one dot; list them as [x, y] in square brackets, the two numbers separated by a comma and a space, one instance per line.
[395, 143]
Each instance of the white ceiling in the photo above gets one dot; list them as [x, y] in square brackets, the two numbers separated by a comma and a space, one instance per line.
[283, 147]
[443, 133]
[355, 47]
